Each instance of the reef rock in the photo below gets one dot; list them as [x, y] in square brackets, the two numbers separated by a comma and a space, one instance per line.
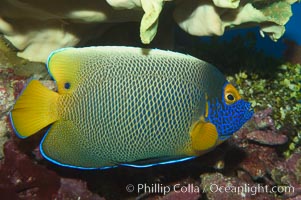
[288, 173]
[217, 186]
[23, 178]
[75, 189]
[182, 195]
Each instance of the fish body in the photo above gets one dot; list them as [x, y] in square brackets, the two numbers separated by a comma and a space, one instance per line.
[129, 106]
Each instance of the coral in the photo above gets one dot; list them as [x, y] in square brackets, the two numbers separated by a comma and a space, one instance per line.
[149, 21]
[35, 27]
[23, 178]
[42, 27]
[261, 167]
[203, 18]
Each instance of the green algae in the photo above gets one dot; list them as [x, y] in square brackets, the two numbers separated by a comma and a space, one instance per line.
[281, 93]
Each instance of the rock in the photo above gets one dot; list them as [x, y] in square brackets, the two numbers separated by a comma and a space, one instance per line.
[288, 173]
[75, 189]
[178, 195]
[217, 186]
[22, 178]
[267, 137]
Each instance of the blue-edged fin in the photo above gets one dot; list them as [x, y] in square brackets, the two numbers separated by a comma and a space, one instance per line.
[35, 109]
[64, 144]
[204, 136]
[157, 161]
[64, 66]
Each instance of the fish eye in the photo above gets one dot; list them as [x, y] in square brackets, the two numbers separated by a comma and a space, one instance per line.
[67, 85]
[230, 97]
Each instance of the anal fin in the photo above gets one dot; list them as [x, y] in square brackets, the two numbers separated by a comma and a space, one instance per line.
[64, 144]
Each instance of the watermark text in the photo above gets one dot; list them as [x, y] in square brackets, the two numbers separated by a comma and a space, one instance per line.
[158, 188]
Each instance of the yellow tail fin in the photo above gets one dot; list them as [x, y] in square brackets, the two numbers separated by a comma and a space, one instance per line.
[35, 109]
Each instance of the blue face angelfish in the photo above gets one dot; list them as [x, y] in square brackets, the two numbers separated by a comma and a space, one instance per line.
[128, 106]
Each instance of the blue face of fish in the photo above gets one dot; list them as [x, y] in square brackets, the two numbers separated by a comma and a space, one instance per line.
[229, 115]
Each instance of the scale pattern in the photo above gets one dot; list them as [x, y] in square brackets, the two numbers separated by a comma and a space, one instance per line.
[129, 108]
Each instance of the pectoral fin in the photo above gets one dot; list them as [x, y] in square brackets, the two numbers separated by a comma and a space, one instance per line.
[203, 136]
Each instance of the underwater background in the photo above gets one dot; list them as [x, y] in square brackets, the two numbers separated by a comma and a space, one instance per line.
[264, 153]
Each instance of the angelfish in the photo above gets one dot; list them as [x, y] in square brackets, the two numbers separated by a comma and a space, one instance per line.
[128, 106]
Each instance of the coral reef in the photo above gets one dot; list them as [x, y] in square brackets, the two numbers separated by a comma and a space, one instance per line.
[261, 161]
[43, 27]
[247, 164]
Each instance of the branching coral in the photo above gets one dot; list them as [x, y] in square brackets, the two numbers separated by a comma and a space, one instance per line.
[37, 28]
